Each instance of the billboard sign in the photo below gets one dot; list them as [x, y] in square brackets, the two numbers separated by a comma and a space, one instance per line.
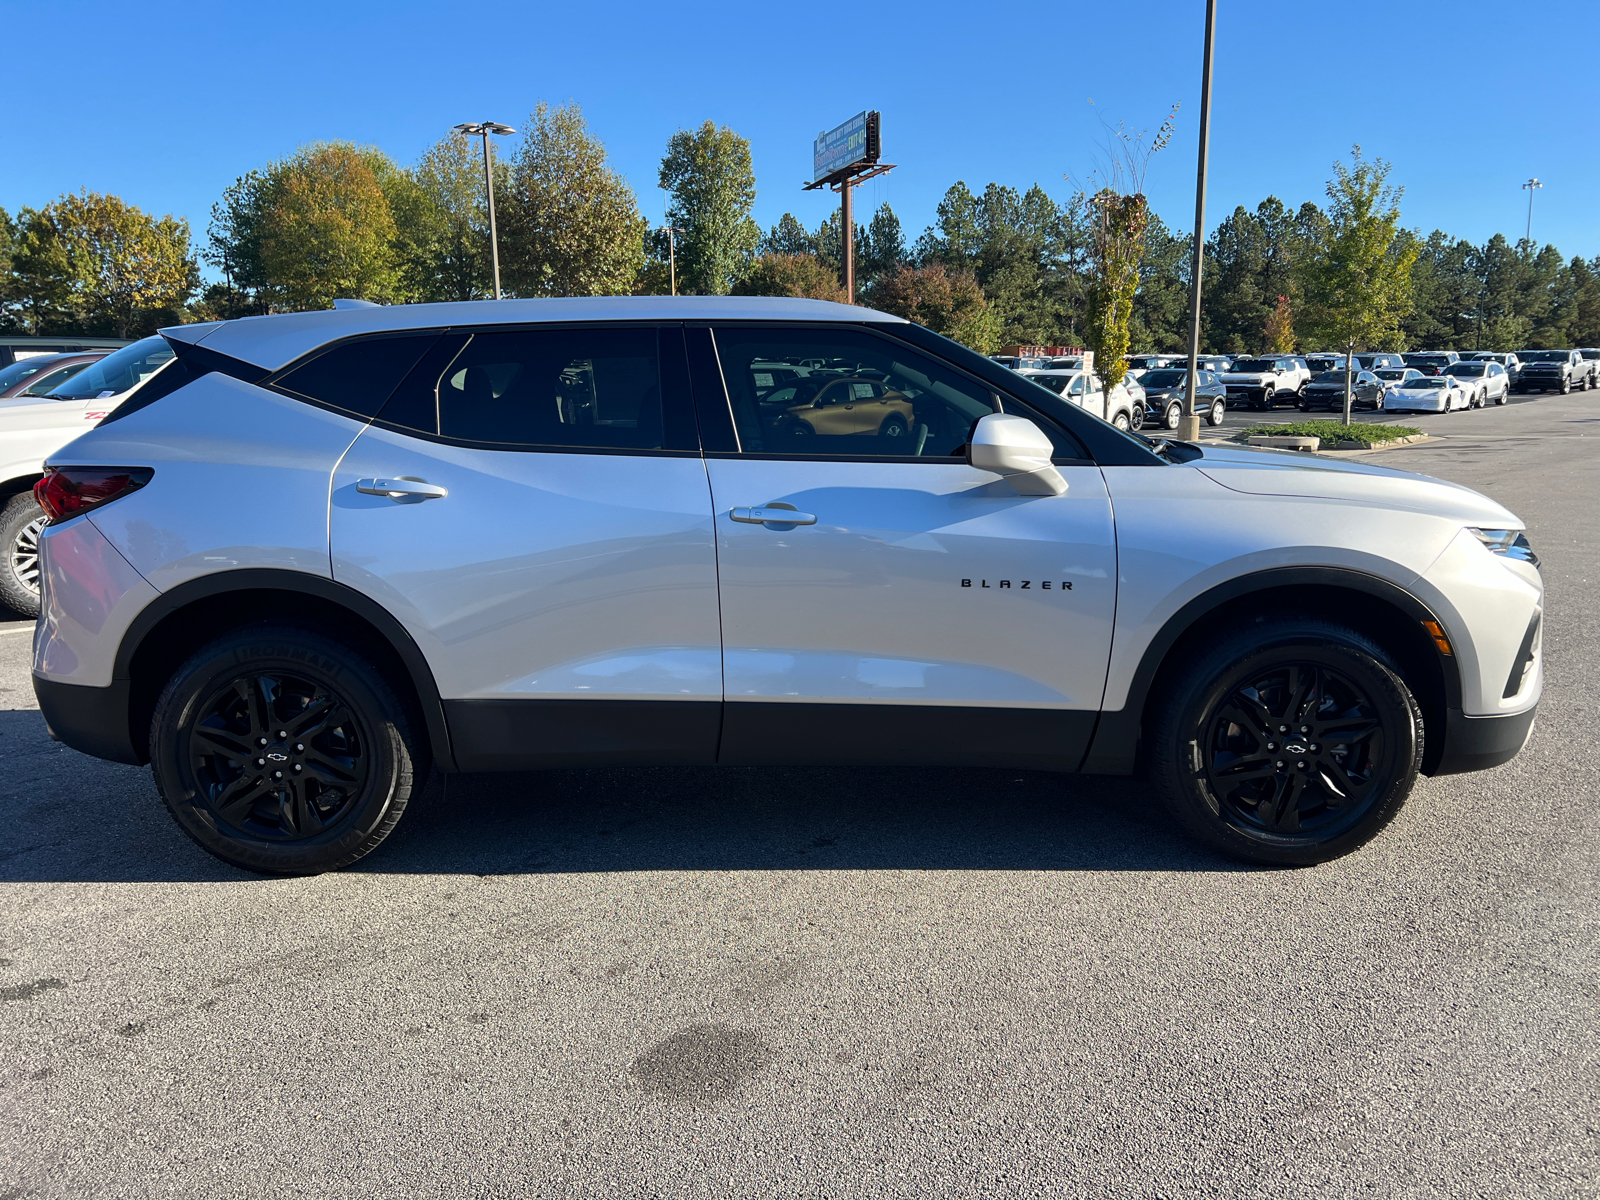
[856, 141]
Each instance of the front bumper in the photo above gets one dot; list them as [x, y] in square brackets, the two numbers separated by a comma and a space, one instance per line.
[1478, 743]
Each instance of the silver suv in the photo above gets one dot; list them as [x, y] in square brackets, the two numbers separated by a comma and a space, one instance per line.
[323, 554]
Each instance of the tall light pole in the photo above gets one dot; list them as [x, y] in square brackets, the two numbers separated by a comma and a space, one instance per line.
[1532, 186]
[483, 129]
[672, 256]
[1189, 427]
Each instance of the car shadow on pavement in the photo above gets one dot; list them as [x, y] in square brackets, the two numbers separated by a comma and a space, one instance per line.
[65, 817]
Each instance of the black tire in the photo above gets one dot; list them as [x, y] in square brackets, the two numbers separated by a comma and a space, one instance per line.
[1211, 762]
[1172, 415]
[1123, 420]
[1502, 398]
[1214, 414]
[1269, 400]
[1566, 386]
[893, 426]
[21, 521]
[1136, 418]
[347, 769]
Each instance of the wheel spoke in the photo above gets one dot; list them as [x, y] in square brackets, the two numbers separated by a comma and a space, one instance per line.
[239, 794]
[1343, 731]
[1246, 766]
[224, 742]
[1281, 810]
[336, 770]
[1251, 716]
[321, 715]
[306, 820]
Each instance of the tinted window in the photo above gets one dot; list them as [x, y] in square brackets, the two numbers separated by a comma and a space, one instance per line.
[18, 371]
[1252, 366]
[1547, 356]
[917, 407]
[590, 388]
[358, 377]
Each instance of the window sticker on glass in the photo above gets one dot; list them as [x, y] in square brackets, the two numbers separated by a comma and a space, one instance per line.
[763, 380]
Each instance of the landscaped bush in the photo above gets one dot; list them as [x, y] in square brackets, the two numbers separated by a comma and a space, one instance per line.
[1330, 433]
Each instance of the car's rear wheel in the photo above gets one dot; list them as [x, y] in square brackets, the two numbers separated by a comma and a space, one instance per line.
[1502, 397]
[1123, 421]
[1214, 414]
[894, 426]
[21, 523]
[278, 749]
[1289, 741]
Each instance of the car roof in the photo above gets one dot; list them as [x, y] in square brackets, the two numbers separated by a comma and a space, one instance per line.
[279, 339]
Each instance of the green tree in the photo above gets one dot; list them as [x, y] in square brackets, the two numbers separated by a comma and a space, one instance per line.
[788, 236]
[443, 219]
[711, 186]
[1162, 302]
[803, 275]
[1446, 291]
[882, 247]
[102, 266]
[570, 224]
[947, 302]
[1358, 285]
[325, 230]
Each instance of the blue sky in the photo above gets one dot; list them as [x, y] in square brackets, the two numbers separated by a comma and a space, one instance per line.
[166, 105]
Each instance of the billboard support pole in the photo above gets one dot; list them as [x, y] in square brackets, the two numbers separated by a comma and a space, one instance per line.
[847, 241]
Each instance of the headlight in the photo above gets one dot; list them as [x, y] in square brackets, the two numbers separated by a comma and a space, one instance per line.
[1510, 543]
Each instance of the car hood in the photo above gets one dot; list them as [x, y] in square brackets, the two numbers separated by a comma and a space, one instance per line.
[1292, 473]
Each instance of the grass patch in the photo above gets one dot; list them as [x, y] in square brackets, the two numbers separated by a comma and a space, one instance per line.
[1330, 433]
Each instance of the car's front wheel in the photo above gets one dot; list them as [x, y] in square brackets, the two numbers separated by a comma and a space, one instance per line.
[21, 523]
[1174, 414]
[1289, 741]
[278, 749]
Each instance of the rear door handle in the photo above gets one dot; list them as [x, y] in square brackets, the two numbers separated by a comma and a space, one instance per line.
[404, 487]
[772, 514]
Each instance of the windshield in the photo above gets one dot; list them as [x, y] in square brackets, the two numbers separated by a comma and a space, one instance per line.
[26, 369]
[1392, 373]
[1590, 353]
[1545, 356]
[117, 373]
[1251, 366]
[1430, 360]
[1329, 377]
[1473, 368]
[1438, 381]
[1056, 383]
[1164, 378]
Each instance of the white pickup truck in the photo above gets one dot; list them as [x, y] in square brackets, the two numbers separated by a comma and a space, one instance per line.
[35, 427]
[1267, 381]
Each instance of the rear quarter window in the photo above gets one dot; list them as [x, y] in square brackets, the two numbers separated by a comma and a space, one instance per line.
[357, 377]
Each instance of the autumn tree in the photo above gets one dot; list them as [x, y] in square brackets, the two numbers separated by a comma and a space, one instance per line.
[803, 275]
[711, 188]
[1357, 283]
[94, 264]
[947, 302]
[569, 224]
[1279, 331]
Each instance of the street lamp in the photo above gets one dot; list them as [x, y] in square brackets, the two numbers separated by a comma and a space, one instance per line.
[1189, 427]
[672, 255]
[1530, 187]
[483, 129]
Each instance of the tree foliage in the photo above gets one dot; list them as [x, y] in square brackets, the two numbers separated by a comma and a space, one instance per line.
[91, 263]
[947, 302]
[570, 224]
[803, 275]
[711, 188]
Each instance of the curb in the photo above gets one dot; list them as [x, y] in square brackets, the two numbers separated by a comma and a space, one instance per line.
[1344, 447]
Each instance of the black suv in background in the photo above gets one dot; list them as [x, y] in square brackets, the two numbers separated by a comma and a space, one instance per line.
[1430, 362]
[1552, 371]
[1327, 391]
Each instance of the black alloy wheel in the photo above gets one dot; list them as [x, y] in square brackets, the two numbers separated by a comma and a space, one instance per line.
[22, 521]
[1290, 742]
[1135, 418]
[278, 749]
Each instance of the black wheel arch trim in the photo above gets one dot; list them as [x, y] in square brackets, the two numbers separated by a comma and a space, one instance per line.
[363, 607]
[1114, 746]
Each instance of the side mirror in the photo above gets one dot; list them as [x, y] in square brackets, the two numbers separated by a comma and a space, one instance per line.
[1018, 451]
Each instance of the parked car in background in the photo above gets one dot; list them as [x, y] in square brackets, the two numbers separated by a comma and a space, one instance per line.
[1324, 360]
[1380, 360]
[1326, 391]
[39, 374]
[1427, 394]
[34, 427]
[1070, 362]
[1018, 364]
[16, 348]
[1266, 382]
[1134, 386]
[1551, 371]
[1592, 357]
[1431, 362]
[1149, 362]
[1393, 377]
[1510, 362]
[1166, 388]
[1486, 381]
[1088, 393]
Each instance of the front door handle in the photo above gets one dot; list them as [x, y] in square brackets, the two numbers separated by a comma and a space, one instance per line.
[404, 487]
[772, 514]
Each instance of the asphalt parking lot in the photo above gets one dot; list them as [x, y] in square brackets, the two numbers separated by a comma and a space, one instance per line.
[830, 983]
[1235, 419]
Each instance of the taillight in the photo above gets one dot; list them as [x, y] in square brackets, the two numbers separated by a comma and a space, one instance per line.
[65, 492]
